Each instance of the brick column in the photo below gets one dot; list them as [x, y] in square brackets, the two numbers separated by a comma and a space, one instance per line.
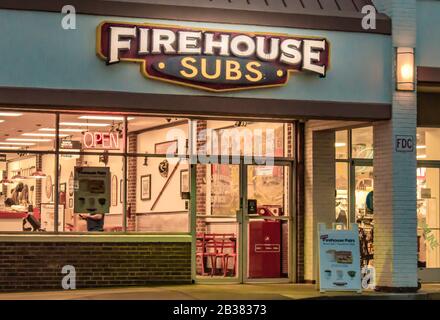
[395, 229]
[4, 186]
[201, 177]
[38, 182]
[200, 187]
[319, 184]
[131, 183]
[299, 199]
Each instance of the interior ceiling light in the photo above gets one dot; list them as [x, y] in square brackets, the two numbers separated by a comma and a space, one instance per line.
[1, 120]
[43, 135]
[17, 143]
[61, 129]
[18, 176]
[84, 124]
[340, 144]
[6, 181]
[421, 147]
[120, 118]
[9, 148]
[38, 175]
[10, 114]
[29, 139]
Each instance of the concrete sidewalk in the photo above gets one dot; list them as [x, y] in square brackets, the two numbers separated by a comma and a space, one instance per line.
[218, 292]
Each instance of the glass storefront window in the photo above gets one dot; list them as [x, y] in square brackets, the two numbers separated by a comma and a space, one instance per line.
[217, 228]
[342, 203]
[159, 175]
[364, 211]
[428, 143]
[27, 131]
[242, 138]
[88, 221]
[428, 217]
[341, 144]
[224, 186]
[354, 194]
[26, 200]
[141, 167]
[161, 202]
[92, 133]
[362, 143]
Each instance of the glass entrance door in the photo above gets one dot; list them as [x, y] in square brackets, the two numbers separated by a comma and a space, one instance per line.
[428, 223]
[243, 222]
[267, 229]
[218, 215]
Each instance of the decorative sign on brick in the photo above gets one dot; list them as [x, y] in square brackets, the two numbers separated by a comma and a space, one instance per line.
[404, 143]
[214, 60]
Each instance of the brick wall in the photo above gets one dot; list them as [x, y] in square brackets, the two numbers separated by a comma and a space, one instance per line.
[395, 198]
[38, 182]
[299, 156]
[131, 183]
[37, 265]
[200, 187]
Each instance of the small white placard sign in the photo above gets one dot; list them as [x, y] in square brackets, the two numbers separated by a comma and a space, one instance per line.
[404, 143]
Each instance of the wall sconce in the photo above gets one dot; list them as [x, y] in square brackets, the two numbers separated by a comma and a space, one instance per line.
[405, 69]
[145, 164]
[104, 158]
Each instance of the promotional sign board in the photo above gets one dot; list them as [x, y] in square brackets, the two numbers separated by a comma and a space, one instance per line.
[339, 259]
[92, 190]
[214, 60]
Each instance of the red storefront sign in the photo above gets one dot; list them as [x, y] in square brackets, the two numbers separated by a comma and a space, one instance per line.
[209, 59]
[101, 140]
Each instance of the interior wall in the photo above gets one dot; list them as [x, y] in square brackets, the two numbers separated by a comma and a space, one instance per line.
[171, 211]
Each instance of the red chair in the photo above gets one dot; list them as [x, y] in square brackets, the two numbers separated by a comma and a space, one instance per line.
[225, 249]
[216, 247]
[230, 250]
[214, 250]
[201, 250]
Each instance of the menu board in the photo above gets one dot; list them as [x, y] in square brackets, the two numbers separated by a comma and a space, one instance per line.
[339, 259]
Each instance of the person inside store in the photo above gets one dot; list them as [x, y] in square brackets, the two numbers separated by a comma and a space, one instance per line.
[15, 195]
[95, 222]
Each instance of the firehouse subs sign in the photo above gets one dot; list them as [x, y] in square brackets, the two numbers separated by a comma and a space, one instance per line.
[213, 60]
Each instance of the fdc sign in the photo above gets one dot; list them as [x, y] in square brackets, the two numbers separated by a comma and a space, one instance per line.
[404, 143]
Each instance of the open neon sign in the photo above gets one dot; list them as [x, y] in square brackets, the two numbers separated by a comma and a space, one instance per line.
[101, 140]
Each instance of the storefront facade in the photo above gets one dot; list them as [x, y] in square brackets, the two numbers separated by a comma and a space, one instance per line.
[225, 125]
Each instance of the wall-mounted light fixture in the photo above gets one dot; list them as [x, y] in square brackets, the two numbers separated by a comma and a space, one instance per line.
[405, 69]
